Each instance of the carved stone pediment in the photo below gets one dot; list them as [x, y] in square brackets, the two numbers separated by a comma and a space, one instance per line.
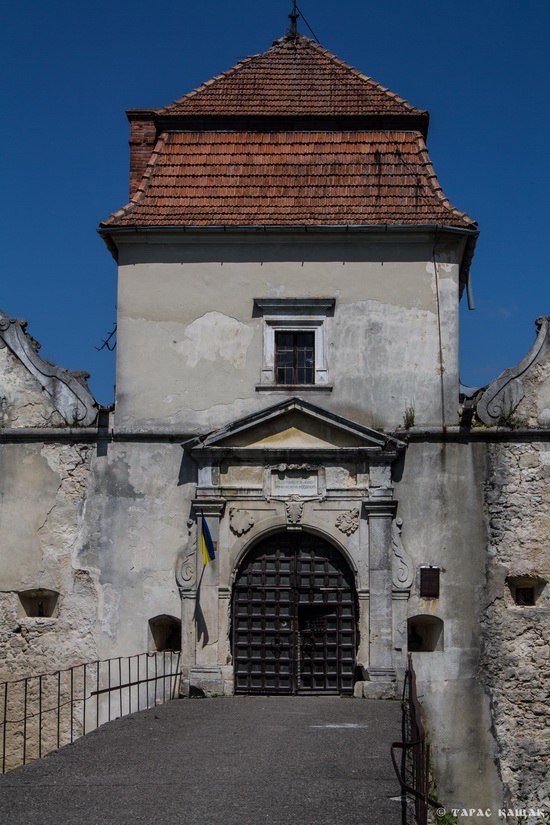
[298, 426]
[292, 449]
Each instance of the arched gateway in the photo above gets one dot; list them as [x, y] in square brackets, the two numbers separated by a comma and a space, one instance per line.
[294, 617]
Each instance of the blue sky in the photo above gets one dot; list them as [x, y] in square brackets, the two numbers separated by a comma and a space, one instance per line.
[71, 69]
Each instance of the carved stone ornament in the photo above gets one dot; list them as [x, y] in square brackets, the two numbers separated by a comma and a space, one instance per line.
[240, 521]
[283, 468]
[67, 389]
[403, 571]
[502, 396]
[348, 522]
[294, 508]
[186, 566]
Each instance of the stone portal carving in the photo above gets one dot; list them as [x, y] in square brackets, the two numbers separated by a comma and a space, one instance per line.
[241, 521]
[348, 522]
[294, 508]
[403, 571]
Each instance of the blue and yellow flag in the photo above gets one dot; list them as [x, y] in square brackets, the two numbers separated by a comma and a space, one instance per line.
[207, 545]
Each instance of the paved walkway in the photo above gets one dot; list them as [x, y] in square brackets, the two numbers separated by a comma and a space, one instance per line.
[233, 761]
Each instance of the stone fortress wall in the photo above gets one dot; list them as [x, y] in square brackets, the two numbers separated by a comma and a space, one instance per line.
[103, 527]
[515, 627]
[515, 665]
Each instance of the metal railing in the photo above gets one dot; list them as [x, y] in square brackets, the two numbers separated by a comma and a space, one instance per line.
[414, 771]
[43, 713]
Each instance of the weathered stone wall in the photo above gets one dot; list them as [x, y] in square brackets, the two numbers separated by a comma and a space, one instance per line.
[516, 638]
[23, 402]
[106, 525]
[43, 490]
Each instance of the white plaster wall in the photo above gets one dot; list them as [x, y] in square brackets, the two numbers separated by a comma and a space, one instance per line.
[134, 532]
[190, 351]
[440, 492]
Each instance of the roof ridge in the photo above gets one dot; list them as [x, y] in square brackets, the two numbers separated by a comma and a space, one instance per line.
[144, 183]
[285, 42]
[433, 182]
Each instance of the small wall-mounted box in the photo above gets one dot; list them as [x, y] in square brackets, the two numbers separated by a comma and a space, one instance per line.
[429, 582]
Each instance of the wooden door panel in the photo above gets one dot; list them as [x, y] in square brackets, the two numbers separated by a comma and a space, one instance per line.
[294, 628]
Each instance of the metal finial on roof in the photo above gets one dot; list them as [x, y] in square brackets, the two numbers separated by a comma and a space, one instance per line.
[294, 15]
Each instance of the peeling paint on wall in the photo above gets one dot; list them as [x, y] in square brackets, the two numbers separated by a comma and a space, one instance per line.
[215, 336]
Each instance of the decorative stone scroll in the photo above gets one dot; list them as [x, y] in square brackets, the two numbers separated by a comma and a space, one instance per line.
[403, 570]
[348, 522]
[502, 396]
[67, 389]
[186, 567]
[240, 521]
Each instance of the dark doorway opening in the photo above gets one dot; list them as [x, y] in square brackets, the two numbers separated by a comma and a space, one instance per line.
[294, 618]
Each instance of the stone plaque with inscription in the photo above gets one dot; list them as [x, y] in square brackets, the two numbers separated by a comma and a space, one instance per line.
[295, 483]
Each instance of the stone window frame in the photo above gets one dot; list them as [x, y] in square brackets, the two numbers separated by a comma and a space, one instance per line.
[294, 315]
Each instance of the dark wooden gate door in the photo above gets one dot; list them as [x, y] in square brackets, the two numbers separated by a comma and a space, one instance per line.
[294, 624]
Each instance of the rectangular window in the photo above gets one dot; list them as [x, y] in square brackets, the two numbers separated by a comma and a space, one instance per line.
[295, 357]
[294, 345]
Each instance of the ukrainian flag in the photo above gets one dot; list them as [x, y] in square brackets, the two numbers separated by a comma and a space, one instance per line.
[207, 545]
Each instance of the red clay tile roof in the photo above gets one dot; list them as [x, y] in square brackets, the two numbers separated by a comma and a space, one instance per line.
[289, 178]
[295, 76]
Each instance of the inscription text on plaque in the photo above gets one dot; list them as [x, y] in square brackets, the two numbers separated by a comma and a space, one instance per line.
[294, 483]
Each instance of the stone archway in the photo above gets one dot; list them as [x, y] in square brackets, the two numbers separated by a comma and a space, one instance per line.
[294, 617]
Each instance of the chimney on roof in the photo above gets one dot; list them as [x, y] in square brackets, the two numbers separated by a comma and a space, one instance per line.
[143, 135]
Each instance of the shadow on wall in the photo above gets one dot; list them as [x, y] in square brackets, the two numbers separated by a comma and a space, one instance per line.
[424, 634]
[188, 471]
[164, 633]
